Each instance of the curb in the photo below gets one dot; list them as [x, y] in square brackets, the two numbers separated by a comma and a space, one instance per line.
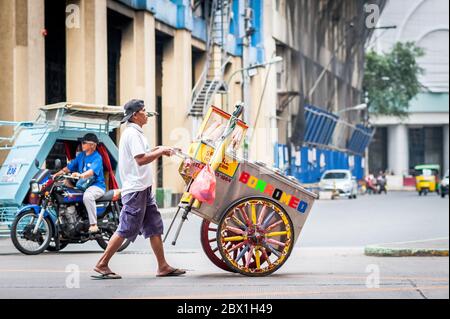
[4, 234]
[379, 251]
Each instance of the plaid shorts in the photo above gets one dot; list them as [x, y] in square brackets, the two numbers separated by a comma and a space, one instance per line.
[139, 216]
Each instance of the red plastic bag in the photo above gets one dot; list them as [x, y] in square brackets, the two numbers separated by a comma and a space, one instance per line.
[204, 186]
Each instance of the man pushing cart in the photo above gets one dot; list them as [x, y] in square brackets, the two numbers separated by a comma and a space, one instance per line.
[257, 213]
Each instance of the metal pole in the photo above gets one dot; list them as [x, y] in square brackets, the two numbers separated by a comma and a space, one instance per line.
[171, 224]
[246, 77]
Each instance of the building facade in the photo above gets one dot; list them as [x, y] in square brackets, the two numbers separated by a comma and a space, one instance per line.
[318, 84]
[422, 137]
[179, 56]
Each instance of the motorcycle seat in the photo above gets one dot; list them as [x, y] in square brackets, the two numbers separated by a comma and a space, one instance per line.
[110, 196]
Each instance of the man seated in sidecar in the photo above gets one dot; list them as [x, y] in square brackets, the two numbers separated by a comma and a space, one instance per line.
[88, 167]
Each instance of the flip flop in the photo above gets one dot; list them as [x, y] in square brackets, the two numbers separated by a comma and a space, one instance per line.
[110, 275]
[173, 273]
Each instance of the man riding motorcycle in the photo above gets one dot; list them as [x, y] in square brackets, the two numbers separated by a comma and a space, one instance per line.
[88, 167]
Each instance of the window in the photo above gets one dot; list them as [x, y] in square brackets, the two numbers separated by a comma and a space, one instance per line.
[336, 176]
[425, 146]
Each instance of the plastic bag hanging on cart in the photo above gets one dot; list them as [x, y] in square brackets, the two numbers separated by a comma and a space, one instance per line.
[204, 186]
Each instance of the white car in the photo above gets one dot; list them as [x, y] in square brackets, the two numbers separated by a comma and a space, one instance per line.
[340, 182]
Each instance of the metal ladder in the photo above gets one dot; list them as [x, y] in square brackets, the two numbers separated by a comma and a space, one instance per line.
[211, 80]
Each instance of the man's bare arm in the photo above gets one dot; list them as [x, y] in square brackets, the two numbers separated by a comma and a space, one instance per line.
[156, 153]
[65, 170]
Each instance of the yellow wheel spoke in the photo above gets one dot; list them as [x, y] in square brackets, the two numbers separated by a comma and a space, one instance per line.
[254, 221]
[257, 258]
[236, 238]
[279, 233]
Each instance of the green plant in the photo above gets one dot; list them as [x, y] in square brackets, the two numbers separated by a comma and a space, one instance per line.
[391, 80]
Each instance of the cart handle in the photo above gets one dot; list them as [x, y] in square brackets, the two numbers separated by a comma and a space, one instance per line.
[181, 154]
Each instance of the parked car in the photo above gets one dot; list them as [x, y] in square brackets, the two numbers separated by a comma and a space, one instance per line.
[340, 182]
[444, 185]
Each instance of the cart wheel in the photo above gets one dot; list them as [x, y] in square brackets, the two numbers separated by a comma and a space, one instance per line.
[208, 238]
[255, 237]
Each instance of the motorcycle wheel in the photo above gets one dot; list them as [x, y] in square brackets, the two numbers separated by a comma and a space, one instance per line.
[106, 235]
[103, 243]
[22, 237]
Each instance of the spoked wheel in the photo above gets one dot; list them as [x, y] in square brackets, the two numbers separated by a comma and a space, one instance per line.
[208, 238]
[255, 237]
[23, 236]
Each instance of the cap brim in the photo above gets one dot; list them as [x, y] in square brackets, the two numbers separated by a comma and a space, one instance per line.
[126, 118]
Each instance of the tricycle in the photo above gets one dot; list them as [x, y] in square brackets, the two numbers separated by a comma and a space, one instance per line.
[42, 212]
[427, 179]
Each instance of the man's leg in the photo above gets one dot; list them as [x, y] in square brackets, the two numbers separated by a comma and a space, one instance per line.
[153, 228]
[158, 249]
[130, 220]
[113, 246]
[90, 196]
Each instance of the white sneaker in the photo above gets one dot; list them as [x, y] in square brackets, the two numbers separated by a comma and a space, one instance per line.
[93, 229]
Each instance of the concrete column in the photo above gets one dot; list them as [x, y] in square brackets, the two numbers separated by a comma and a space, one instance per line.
[264, 125]
[264, 98]
[36, 57]
[263, 92]
[176, 96]
[7, 36]
[446, 148]
[137, 67]
[87, 59]
[22, 63]
[398, 149]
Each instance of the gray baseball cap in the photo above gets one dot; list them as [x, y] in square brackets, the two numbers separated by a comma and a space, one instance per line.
[133, 106]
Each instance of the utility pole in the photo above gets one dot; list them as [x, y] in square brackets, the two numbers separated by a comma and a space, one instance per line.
[245, 65]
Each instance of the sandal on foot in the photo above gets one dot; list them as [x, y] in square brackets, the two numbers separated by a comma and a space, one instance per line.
[110, 275]
[173, 273]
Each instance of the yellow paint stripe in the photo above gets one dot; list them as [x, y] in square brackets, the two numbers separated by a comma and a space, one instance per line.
[432, 279]
[240, 294]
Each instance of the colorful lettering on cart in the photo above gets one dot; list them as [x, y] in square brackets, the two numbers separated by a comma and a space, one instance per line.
[275, 193]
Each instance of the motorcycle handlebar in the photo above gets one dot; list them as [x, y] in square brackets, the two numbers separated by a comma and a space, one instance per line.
[65, 176]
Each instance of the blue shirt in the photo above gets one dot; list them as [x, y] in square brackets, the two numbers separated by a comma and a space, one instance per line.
[83, 163]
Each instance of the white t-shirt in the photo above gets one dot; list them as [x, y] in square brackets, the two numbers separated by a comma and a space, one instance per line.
[134, 178]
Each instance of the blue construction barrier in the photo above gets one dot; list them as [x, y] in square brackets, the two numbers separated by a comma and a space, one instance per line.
[360, 139]
[309, 163]
[320, 125]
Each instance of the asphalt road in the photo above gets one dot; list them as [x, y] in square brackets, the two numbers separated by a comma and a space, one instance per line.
[328, 261]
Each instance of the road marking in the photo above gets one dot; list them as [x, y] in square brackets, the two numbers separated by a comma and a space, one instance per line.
[294, 293]
[276, 276]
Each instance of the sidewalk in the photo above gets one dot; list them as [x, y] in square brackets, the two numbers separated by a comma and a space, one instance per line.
[422, 248]
[4, 231]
